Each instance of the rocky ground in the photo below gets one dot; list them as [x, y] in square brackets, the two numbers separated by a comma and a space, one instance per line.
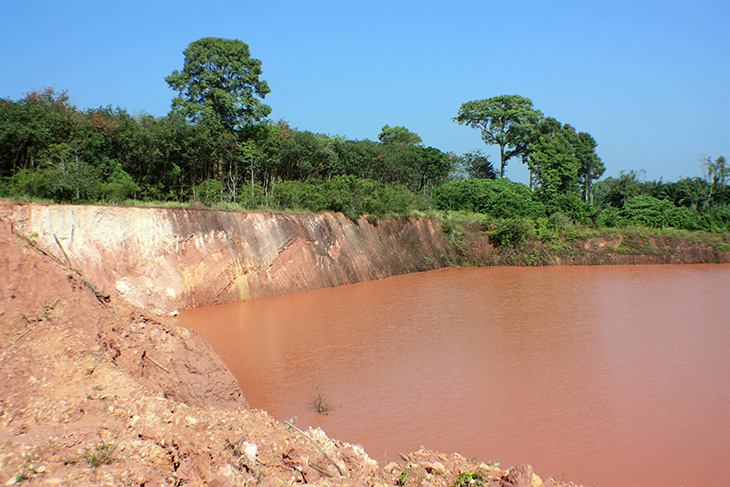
[96, 392]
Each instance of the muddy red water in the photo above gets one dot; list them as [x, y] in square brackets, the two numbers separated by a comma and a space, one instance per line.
[611, 376]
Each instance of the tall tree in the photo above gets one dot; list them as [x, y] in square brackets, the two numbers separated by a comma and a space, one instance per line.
[220, 79]
[591, 166]
[220, 90]
[502, 120]
[552, 160]
[562, 160]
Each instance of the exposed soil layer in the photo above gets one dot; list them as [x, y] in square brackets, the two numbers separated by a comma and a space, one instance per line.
[94, 391]
[164, 259]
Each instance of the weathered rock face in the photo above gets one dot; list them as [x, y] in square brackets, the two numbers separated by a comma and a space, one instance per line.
[167, 259]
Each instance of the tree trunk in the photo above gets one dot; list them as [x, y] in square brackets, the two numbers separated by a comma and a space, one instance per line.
[501, 161]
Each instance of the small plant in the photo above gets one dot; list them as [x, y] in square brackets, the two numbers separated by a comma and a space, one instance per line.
[321, 405]
[469, 478]
[28, 472]
[103, 454]
[403, 477]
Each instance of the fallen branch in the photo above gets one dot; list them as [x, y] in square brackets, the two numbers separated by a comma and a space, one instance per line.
[319, 469]
[68, 261]
[100, 295]
[91, 370]
[41, 317]
[154, 362]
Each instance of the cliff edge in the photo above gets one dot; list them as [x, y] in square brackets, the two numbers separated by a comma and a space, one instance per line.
[166, 259]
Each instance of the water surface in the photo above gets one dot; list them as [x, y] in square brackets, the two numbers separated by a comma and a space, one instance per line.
[612, 376]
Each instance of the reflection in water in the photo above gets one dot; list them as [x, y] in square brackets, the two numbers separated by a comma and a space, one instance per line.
[609, 376]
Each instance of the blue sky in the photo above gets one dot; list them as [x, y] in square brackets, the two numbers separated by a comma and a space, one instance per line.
[650, 80]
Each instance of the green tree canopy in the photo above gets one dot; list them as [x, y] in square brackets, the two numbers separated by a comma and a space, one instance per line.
[502, 120]
[499, 198]
[562, 160]
[398, 136]
[220, 80]
[477, 165]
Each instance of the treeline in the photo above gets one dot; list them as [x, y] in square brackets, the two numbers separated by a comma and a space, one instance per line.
[50, 149]
[218, 146]
[698, 203]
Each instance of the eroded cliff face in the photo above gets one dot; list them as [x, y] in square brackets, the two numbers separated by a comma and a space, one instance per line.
[166, 259]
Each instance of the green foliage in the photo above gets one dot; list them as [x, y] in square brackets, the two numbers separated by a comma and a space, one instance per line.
[33, 183]
[345, 194]
[209, 191]
[213, 148]
[477, 165]
[561, 160]
[403, 477]
[609, 217]
[511, 232]
[571, 205]
[119, 186]
[467, 479]
[503, 120]
[617, 191]
[653, 212]
[553, 162]
[220, 81]
[648, 211]
[591, 166]
[398, 136]
[500, 198]
[103, 454]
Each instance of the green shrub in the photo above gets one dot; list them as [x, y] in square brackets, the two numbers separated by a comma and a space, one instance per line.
[346, 194]
[209, 191]
[656, 213]
[648, 211]
[511, 232]
[572, 206]
[609, 217]
[500, 198]
[118, 187]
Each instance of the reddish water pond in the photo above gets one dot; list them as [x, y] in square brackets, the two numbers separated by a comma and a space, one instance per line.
[611, 376]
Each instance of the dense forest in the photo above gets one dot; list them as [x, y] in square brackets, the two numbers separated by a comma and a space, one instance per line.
[218, 146]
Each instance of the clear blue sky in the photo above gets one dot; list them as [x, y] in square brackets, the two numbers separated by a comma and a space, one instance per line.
[650, 80]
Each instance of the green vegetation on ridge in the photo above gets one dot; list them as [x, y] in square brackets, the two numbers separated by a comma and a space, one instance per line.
[218, 146]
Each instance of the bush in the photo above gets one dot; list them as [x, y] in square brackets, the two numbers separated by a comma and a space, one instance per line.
[648, 211]
[609, 217]
[119, 186]
[209, 191]
[572, 206]
[345, 194]
[511, 232]
[500, 198]
[30, 182]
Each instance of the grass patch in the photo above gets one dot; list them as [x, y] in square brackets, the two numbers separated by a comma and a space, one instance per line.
[403, 477]
[103, 454]
[321, 404]
[470, 479]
